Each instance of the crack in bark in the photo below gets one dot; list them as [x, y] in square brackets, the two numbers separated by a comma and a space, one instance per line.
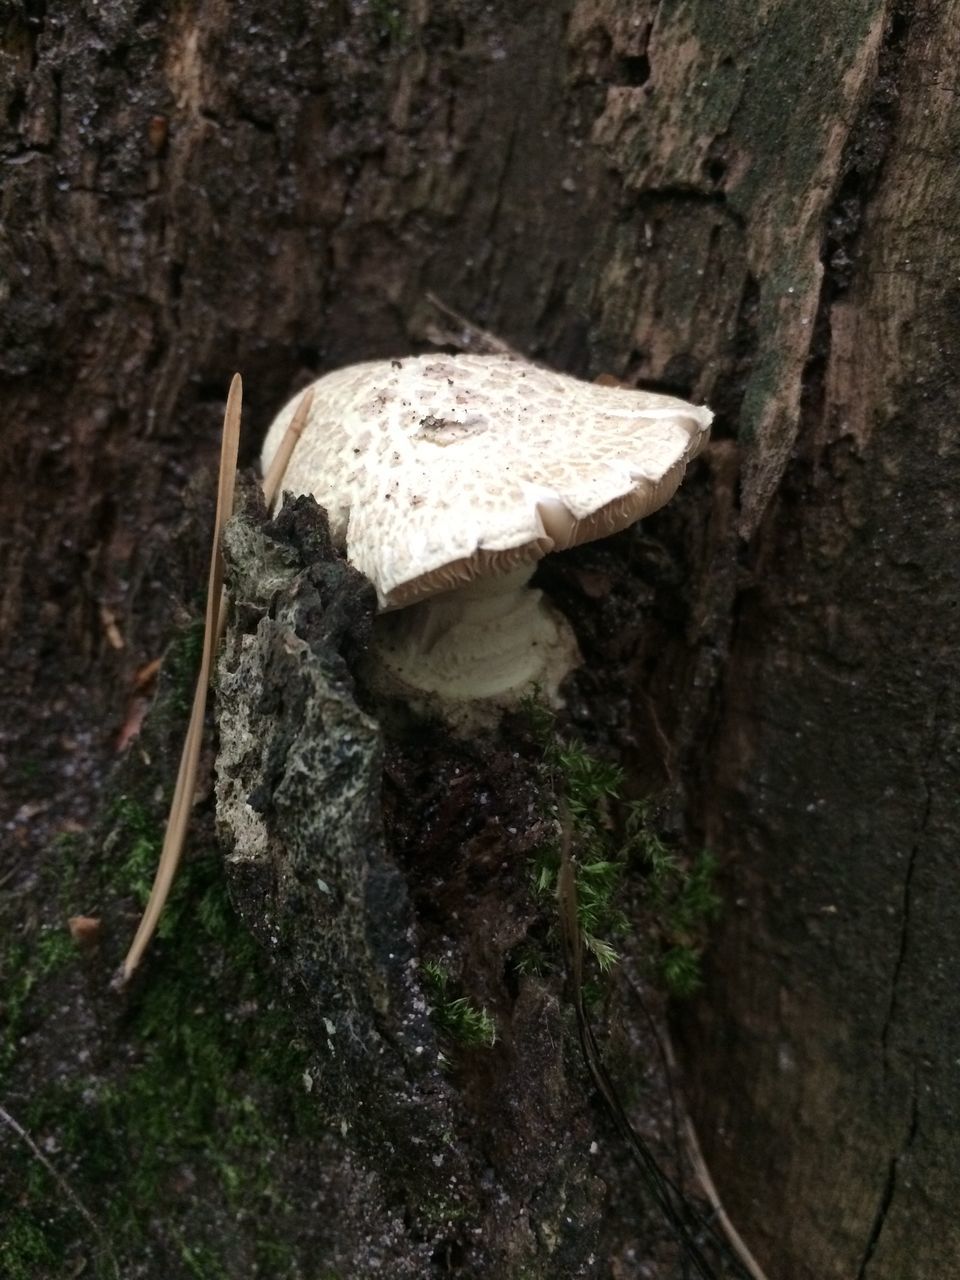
[904, 924]
[500, 187]
[907, 895]
[691, 193]
[890, 1183]
[890, 1186]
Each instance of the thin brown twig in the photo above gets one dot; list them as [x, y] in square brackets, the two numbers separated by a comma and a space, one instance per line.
[666, 747]
[668, 1197]
[471, 337]
[186, 776]
[275, 472]
[213, 632]
[737, 1242]
[64, 1186]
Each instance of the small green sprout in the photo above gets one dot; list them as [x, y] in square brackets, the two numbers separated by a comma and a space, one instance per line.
[588, 786]
[683, 897]
[142, 837]
[455, 1016]
[680, 967]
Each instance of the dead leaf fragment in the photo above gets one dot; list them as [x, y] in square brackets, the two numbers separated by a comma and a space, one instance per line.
[84, 930]
[31, 809]
[146, 675]
[132, 724]
[108, 620]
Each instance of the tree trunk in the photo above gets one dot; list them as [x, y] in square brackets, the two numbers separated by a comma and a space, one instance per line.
[749, 205]
[829, 783]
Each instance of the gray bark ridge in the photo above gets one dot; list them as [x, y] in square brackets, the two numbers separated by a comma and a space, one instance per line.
[298, 778]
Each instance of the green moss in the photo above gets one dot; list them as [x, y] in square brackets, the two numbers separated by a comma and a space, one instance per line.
[22, 968]
[587, 786]
[390, 22]
[680, 967]
[455, 1016]
[140, 837]
[206, 1083]
[25, 1252]
[181, 664]
[611, 837]
[682, 895]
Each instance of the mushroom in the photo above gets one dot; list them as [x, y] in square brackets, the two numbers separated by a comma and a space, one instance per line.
[447, 478]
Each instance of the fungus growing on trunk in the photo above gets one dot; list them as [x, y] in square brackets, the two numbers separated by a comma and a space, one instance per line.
[446, 478]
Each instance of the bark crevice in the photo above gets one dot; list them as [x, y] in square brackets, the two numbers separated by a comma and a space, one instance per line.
[890, 1188]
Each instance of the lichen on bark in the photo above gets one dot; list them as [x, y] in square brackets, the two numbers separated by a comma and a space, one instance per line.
[298, 802]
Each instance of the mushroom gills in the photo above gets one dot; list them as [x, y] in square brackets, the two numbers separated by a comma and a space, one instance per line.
[494, 639]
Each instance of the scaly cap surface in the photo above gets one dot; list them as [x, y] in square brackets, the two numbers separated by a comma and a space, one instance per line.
[438, 469]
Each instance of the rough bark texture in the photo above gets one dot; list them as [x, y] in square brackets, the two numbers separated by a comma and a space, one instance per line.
[832, 778]
[751, 204]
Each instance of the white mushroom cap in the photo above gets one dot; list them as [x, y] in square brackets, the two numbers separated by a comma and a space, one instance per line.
[435, 470]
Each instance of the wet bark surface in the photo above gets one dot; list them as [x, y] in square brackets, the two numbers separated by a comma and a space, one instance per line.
[834, 758]
[755, 207]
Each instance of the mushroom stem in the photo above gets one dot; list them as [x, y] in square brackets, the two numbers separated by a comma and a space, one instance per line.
[494, 639]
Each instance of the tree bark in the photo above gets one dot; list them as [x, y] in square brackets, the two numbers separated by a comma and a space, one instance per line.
[751, 205]
[831, 777]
